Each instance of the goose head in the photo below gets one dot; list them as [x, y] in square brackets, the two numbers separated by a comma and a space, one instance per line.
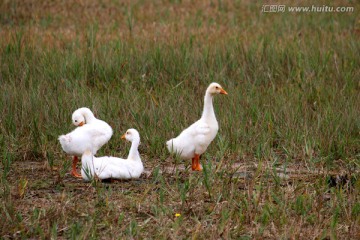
[78, 119]
[131, 135]
[215, 88]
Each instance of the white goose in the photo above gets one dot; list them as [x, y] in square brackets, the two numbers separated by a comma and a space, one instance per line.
[194, 140]
[113, 167]
[91, 133]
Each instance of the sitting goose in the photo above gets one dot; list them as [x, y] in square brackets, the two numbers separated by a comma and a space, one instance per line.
[113, 167]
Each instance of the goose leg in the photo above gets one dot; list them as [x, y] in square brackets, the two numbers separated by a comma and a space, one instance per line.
[193, 163]
[198, 166]
[73, 168]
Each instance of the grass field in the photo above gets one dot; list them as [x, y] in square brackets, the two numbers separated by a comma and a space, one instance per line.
[285, 163]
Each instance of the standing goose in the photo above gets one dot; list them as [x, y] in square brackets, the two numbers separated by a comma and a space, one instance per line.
[91, 133]
[113, 167]
[194, 140]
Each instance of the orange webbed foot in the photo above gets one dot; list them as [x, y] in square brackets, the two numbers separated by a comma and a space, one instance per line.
[198, 168]
[75, 174]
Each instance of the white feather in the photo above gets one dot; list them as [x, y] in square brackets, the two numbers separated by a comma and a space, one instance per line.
[113, 167]
[93, 135]
[197, 137]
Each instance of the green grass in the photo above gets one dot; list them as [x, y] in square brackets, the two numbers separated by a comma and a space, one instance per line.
[293, 109]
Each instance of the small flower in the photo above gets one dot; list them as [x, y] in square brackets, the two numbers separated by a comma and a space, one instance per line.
[177, 214]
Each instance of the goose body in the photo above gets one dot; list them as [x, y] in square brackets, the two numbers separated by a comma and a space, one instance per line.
[91, 133]
[194, 140]
[86, 137]
[113, 167]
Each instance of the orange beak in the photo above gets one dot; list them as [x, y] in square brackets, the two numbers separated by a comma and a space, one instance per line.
[222, 91]
[123, 136]
[81, 124]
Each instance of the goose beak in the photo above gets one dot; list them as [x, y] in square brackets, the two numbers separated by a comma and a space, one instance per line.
[222, 91]
[123, 136]
[81, 124]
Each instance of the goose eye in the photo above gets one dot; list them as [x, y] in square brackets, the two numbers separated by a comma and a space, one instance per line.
[75, 120]
[217, 87]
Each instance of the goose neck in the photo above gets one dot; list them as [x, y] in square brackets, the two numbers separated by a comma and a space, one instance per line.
[208, 111]
[134, 152]
[88, 115]
[86, 161]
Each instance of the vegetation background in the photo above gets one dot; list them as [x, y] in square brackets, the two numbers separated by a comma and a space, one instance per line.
[285, 163]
